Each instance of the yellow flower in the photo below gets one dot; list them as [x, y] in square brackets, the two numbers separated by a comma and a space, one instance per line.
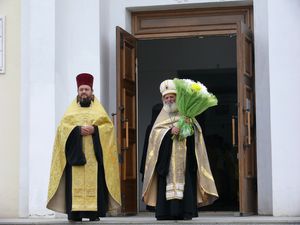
[195, 87]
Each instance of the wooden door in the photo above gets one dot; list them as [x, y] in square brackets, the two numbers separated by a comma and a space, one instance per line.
[126, 118]
[246, 122]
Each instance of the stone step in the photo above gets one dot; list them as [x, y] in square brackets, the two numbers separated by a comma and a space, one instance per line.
[142, 220]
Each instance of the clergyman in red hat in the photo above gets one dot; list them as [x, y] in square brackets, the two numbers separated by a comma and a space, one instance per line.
[84, 177]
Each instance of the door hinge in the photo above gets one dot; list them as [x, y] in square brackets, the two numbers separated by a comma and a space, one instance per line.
[136, 66]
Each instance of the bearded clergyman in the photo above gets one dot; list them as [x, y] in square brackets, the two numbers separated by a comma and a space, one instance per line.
[84, 178]
[177, 175]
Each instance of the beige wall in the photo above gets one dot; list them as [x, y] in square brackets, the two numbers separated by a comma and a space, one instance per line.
[10, 111]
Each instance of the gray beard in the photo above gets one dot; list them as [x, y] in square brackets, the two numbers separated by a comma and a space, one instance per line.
[170, 108]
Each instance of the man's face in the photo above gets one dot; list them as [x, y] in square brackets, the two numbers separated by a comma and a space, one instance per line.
[170, 103]
[85, 92]
[169, 98]
[85, 95]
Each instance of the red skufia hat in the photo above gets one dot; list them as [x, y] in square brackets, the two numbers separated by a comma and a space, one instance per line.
[84, 78]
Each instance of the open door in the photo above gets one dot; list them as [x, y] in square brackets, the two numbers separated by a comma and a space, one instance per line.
[126, 118]
[246, 122]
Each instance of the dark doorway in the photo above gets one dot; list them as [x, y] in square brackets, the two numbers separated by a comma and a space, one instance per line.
[217, 131]
[212, 61]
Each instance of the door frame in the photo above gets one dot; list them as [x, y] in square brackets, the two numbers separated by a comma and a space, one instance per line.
[189, 22]
[185, 23]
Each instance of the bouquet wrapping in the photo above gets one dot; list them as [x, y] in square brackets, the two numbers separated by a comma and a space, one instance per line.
[192, 99]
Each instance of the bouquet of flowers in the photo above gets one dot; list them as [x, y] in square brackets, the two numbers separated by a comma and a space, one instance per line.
[192, 99]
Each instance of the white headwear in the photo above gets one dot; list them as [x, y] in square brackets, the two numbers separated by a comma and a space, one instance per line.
[167, 87]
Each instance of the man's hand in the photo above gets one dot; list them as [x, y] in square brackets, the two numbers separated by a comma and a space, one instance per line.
[86, 130]
[175, 130]
[188, 120]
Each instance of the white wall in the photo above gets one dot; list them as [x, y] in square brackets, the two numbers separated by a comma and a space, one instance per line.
[105, 52]
[277, 62]
[38, 48]
[77, 48]
[263, 122]
[25, 99]
[284, 69]
[10, 111]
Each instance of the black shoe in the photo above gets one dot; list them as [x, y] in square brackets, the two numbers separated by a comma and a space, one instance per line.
[75, 220]
[187, 218]
[163, 218]
[94, 219]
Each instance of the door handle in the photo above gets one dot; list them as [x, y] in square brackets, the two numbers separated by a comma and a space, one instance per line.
[233, 130]
[249, 126]
[113, 118]
[126, 144]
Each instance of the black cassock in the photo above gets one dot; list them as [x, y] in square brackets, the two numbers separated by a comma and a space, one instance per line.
[185, 208]
[76, 157]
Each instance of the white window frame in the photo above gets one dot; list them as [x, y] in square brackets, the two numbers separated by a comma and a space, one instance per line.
[2, 44]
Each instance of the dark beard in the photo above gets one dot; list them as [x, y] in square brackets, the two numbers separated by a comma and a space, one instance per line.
[85, 102]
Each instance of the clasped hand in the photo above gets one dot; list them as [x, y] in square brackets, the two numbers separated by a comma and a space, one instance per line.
[86, 130]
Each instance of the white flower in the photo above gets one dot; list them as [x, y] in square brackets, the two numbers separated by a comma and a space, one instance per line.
[203, 88]
[188, 81]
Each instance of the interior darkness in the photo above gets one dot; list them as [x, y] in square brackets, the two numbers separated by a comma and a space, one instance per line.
[212, 61]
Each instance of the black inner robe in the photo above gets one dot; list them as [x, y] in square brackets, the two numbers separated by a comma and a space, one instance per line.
[176, 209]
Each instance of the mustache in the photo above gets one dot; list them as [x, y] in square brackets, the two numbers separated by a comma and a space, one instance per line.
[85, 100]
[85, 97]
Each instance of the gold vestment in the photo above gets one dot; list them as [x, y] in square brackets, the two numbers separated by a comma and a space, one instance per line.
[206, 189]
[84, 178]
